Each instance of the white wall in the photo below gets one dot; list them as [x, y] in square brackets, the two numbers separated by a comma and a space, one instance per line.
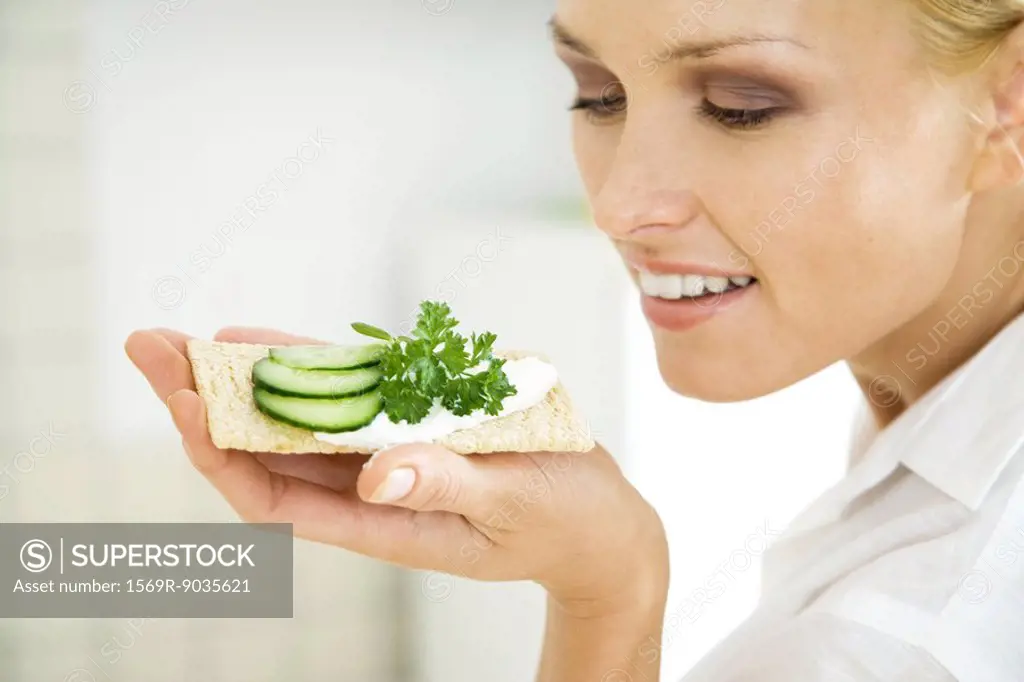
[445, 128]
[432, 117]
[429, 115]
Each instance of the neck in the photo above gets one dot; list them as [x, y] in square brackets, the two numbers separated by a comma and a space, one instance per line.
[984, 294]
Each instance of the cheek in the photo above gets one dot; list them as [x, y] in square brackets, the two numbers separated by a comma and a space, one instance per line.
[850, 239]
[862, 242]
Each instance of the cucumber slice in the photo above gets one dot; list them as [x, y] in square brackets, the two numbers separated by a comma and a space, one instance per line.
[305, 383]
[325, 416]
[328, 357]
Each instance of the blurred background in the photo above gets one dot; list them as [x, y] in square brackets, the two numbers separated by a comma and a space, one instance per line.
[197, 164]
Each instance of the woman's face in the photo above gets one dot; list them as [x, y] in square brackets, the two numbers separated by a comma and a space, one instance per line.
[801, 143]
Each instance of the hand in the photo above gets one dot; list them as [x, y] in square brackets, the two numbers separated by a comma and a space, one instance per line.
[568, 521]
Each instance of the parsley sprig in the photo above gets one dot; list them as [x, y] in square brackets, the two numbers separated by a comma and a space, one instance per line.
[437, 363]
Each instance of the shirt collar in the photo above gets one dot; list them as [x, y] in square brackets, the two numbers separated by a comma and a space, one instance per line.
[962, 434]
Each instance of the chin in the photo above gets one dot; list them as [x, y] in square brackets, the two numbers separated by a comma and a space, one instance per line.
[716, 380]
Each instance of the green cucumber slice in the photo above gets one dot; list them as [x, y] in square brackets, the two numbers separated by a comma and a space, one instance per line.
[328, 357]
[305, 383]
[325, 416]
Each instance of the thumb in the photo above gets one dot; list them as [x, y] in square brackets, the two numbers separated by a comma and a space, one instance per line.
[428, 477]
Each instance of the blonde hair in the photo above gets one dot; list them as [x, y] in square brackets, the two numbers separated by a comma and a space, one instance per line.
[965, 34]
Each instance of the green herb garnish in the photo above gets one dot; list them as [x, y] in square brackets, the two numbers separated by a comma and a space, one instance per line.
[371, 331]
[437, 363]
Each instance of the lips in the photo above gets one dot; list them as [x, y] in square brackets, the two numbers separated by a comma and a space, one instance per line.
[678, 296]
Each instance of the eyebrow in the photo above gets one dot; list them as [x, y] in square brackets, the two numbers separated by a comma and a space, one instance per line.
[695, 50]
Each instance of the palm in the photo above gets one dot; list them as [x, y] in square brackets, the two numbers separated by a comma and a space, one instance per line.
[317, 493]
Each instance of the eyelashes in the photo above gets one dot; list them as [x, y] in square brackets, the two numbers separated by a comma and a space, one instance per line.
[738, 119]
[602, 108]
[610, 107]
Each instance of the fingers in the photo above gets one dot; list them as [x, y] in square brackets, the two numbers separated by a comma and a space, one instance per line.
[260, 335]
[161, 359]
[162, 355]
[302, 490]
[432, 478]
[251, 489]
[256, 493]
[260, 495]
[177, 339]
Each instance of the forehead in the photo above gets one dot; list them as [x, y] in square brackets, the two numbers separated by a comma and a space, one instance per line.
[859, 32]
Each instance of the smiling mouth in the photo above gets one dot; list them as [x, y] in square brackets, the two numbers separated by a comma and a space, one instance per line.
[683, 287]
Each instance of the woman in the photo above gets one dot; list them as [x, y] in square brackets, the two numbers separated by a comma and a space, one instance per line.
[854, 168]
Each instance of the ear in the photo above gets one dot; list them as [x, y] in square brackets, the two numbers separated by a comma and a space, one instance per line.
[1000, 161]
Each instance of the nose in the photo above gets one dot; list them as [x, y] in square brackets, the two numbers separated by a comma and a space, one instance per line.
[648, 188]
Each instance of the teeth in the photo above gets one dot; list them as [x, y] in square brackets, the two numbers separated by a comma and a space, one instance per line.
[662, 286]
[675, 287]
[650, 283]
[716, 285]
[670, 286]
[692, 285]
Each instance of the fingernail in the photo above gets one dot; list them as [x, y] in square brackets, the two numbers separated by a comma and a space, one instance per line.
[397, 485]
[167, 402]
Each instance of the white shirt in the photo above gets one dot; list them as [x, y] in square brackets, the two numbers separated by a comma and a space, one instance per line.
[911, 568]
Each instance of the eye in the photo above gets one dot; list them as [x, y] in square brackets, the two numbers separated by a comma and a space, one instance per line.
[737, 119]
[610, 105]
